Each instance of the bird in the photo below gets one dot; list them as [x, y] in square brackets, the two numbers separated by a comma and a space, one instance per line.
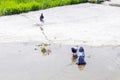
[74, 51]
[81, 56]
[81, 52]
[41, 18]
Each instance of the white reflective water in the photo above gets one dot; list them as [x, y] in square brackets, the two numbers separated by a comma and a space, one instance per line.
[25, 61]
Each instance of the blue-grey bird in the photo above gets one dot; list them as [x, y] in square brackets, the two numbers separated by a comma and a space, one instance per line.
[81, 56]
[41, 18]
[74, 51]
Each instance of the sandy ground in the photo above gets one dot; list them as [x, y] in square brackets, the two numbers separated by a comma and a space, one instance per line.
[24, 61]
[88, 24]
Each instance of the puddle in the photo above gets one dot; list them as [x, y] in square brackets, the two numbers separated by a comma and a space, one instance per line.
[21, 61]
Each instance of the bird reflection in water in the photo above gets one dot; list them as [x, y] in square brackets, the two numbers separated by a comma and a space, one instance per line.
[81, 67]
[74, 59]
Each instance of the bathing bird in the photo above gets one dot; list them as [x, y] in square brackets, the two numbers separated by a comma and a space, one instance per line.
[81, 56]
[41, 18]
[81, 52]
[74, 51]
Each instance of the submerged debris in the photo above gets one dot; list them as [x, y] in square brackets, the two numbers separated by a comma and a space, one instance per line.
[44, 48]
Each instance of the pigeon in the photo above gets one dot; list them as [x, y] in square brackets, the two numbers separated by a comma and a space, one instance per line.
[74, 51]
[81, 61]
[81, 56]
[81, 52]
[41, 18]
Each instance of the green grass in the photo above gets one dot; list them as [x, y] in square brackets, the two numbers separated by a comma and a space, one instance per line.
[9, 7]
[96, 1]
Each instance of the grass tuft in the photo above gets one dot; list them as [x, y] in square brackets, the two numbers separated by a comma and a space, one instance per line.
[96, 1]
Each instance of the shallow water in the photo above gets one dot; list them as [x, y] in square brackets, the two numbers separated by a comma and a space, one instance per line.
[25, 61]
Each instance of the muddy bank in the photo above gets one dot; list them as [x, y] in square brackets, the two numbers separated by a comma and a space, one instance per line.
[25, 61]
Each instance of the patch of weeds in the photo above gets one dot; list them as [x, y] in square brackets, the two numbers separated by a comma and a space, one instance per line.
[117, 5]
[43, 50]
[96, 1]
